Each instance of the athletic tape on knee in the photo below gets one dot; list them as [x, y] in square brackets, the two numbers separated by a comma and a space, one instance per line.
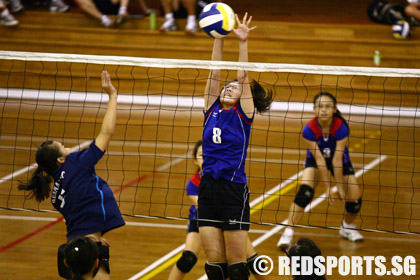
[353, 207]
[216, 271]
[252, 263]
[187, 261]
[304, 195]
[238, 271]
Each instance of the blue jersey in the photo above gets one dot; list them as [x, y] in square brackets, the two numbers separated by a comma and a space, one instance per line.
[225, 142]
[192, 189]
[85, 200]
[338, 131]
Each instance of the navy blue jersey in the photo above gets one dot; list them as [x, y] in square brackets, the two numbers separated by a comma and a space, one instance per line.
[225, 142]
[338, 131]
[85, 200]
[192, 189]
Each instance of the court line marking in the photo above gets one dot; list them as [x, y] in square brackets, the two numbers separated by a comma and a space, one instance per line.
[170, 258]
[312, 205]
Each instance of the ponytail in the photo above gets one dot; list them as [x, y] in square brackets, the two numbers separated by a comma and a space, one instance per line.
[262, 98]
[332, 97]
[39, 185]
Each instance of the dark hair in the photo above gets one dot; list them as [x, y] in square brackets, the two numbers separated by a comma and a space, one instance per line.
[332, 97]
[198, 144]
[40, 183]
[80, 255]
[262, 98]
[305, 247]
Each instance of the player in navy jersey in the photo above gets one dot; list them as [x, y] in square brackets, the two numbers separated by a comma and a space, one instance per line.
[326, 136]
[223, 199]
[192, 242]
[84, 199]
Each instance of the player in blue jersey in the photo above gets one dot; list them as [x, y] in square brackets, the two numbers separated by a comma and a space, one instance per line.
[326, 136]
[84, 199]
[192, 242]
[223, 199]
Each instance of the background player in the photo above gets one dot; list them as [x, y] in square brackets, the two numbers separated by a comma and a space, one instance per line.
[223, 192]
[84, 199]
[192, 241]
[326, 136]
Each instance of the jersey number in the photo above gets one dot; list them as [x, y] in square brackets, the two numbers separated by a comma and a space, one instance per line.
[217, 135]
[61, 198]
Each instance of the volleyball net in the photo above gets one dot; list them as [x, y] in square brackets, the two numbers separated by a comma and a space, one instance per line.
[160, 117]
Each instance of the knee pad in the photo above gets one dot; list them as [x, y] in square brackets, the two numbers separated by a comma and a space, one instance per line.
[353, 207]
[304, 196]
[216, 271]
[187, 261]
[238, 271]
[252, 262]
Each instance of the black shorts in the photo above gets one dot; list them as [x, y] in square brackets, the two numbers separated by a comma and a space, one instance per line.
[347, 167]
[64, 272]
[192, 226]
[223, 204]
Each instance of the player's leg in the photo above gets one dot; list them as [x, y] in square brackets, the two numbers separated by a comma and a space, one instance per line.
[213, 244]
[169, 24]
[191, 26]
[188, 258]
[236, 245]
[303, 197]
[353, 203]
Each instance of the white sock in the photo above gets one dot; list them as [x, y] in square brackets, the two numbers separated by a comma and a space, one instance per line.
[5, 13]
[289, 231]
[122, 10]
[105, 20]
[169, 16]
[346, 225]
[191, 18]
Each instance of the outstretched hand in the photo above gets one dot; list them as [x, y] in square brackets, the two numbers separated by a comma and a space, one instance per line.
[106, 83]
[243, 29]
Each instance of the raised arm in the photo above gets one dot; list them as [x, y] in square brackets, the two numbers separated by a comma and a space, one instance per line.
[108, 123]
[211, 92]
[242, 33]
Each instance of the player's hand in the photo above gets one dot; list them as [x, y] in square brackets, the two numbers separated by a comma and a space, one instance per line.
[341, 193]
[106, 83]
[243, 29]
[330, 195]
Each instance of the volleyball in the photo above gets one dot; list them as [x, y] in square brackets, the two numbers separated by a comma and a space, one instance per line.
[401, 30]
[217, 19]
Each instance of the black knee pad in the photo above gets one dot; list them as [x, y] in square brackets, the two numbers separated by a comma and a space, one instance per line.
[238, 271]
[252, 263]
[187, 261]
[304, 195]
[216, 271]
[353, 207]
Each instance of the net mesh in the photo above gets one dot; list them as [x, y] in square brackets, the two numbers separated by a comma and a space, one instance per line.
[148, 162]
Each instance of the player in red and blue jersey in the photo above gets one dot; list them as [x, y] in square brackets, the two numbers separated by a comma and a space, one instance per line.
[326, 137]
[223, 199]
[192, 242]
[84, 199]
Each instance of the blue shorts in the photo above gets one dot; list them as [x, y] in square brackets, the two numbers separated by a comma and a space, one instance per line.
[347, 167]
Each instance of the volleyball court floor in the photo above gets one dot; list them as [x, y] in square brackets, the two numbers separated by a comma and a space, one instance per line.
[149, 176]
